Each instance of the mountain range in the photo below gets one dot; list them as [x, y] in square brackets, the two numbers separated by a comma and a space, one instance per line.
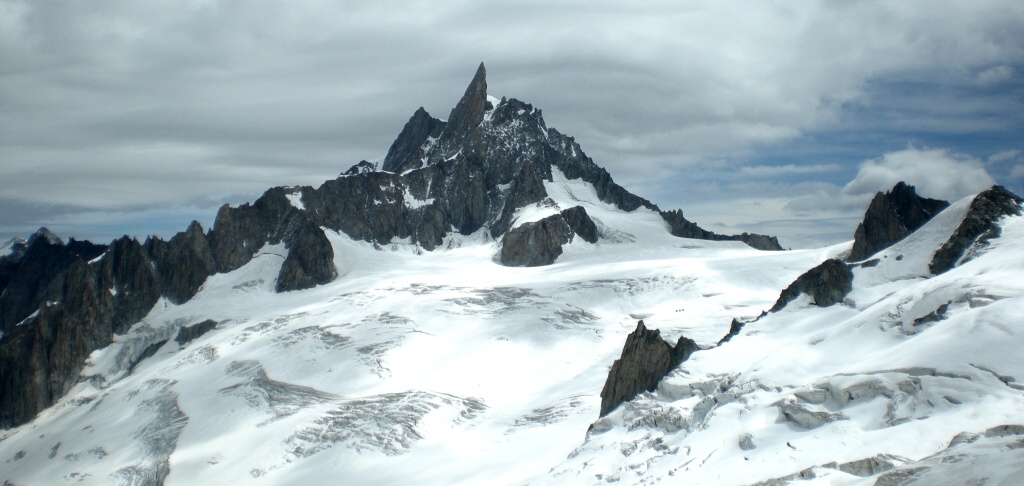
[486, 305]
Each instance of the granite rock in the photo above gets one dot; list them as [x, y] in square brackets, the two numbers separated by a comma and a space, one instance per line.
[646, 359]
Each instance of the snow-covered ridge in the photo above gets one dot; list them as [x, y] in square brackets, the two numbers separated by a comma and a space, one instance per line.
[405, 361]
[885, 386]
[413, 358]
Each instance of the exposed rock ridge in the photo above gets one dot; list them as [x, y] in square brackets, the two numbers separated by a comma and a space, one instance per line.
[59, 302]
[238, 233]
[187, 334]
[409, 150]
[646, 359]
[977, 228]
[828, 284]
[683, 228]
[891, 217]
[461, 129]
[182, 263]
[540, 242]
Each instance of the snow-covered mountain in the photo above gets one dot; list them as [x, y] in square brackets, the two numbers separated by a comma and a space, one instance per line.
[451, 317]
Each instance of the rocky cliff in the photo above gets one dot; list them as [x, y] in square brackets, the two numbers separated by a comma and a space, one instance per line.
[828, 284]
[978, 227]
[891, 217]
[646, 359]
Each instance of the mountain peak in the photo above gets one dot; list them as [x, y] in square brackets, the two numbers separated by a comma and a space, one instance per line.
[890, 217]
[46, 235]
[469, 112]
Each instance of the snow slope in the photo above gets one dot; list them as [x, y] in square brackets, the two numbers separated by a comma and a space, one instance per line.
[911, 369]
[447, 368]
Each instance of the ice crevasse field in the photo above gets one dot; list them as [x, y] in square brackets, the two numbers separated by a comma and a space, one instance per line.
[445, 367]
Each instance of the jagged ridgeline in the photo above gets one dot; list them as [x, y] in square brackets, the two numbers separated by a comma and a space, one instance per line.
[469, 174]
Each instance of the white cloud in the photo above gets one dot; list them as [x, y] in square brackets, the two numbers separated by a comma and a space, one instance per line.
[1004, 156]
[1017, 173]
[936, 173]
[995, 75]
[765, 171]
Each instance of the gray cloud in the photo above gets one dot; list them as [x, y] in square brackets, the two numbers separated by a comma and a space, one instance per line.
[117, 106]
[936, 173]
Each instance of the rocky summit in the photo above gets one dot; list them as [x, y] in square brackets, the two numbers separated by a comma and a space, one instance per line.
[486, 291]
[646, 359]
[890, 217]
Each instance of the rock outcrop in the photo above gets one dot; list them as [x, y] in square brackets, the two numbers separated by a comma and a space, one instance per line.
[646, 359]
[683, 228]
[409, 150]
[828, 284]
[891, 217]
[59, 302]
[540, 242]
[128, 276]
[187, 334]
[182, 263]
[580, 223]
[977, 228]
[26, 277]
[54, 314]
[238, 233]
[310, 260]
[536, 243]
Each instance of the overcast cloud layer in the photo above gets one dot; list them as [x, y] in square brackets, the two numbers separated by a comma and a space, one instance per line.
[774, 117]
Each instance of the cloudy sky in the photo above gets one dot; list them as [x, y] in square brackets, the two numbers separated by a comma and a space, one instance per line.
[776, 117]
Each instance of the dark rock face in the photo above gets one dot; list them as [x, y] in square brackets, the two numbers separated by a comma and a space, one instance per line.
[537, 243]
[40, 358]
[580, 223]
[71, 299]
[183, 263]
[236, 236]
[469, 113]
[363, 167]
[758, 242]
[828, 283]
[408, 151]
[890, 218]
[646, 359]
[80, 295]
[25, 279]
[540, 242]
[734, 330]
[187, 334]
[977, 228]
[527, 188]
[128, 273]
[238, 233]
[310, 260]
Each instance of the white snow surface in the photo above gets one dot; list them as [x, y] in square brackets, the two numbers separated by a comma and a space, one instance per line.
[295, 198]
[8, 247]
[445, 367]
